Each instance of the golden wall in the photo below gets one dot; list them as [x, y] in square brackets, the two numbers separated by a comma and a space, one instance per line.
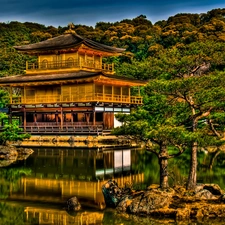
[75, 59]
[72, 93]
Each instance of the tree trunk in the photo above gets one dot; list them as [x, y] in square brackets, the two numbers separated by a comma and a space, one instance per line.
[192, 179]
[214, 158]
[163, 163]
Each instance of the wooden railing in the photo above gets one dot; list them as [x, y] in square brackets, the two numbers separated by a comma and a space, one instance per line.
[56, 128]
[91, 129]
[97, 97]
[57, 124]
[65, 64]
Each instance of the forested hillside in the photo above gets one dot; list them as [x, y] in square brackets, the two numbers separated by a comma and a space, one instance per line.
[165, 49]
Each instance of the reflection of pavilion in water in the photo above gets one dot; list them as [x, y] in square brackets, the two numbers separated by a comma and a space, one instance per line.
[61, 217]
[60, 174]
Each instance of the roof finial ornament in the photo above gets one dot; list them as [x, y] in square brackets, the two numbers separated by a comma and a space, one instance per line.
[71, 26]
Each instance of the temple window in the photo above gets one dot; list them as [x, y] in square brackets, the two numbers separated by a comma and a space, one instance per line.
[98, 89]
[70, 62]
[125, 90]
[108, 90]
[117, 91]
[44, 64]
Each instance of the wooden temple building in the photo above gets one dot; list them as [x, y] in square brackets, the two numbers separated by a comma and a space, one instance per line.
[69, 89]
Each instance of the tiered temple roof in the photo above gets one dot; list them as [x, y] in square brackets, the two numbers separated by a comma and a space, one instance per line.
[66, 41]
[75, 77]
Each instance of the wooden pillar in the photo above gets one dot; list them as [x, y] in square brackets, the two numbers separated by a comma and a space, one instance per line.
[129, 94]
[72, 117]
[103, 92]
[56, 117]
[85, 58]
[94, 94]
[10, 92]
[121, 94]
[94, 117]
[24, 94]
[61, 111]
[93, 57]
[87, 115]
[24, 118]
[35, 117]
[112, 93]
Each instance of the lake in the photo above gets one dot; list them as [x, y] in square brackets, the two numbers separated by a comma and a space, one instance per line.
[34, 191]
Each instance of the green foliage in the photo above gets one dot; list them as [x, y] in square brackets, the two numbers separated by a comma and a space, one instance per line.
[11, 177]
[10, 181]
[10, 215]
[12, 132]
[4, 98]
[147, 43]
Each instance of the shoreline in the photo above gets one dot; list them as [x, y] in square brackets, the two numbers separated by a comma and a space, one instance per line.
[206, 201]
[77, 141]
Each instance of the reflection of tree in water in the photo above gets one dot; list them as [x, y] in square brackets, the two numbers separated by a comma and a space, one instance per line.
[114, 218]
[10, 180]
[207, 173]
[147, 163]
[10, 215]
[215, 174]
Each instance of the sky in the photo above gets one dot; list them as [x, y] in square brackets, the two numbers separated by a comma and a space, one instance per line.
[89, 12]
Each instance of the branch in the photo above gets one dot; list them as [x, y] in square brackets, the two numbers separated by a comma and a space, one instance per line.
[149, 149]
[213, 129]
[181, 150]
[205, 114]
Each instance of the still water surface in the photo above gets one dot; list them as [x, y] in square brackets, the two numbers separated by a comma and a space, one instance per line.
[35, 191]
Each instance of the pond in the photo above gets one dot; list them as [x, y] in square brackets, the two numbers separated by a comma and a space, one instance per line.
[34, 191]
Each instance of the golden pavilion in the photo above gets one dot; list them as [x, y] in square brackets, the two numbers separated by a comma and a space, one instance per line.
[69, 89]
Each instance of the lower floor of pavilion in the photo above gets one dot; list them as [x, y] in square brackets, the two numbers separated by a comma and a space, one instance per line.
[63, 119]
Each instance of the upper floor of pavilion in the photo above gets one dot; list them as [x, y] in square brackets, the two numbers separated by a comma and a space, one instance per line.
[69, 53]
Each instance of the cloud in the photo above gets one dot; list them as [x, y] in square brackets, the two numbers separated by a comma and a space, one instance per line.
[88, 12]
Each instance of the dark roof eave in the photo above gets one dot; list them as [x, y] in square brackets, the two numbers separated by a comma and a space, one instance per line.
[6, 81]
[66, 41]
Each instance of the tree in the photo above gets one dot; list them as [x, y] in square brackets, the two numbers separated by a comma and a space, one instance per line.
[202, 99]
[193, 91]
[12, 132]
[155, 123]
[177, 115]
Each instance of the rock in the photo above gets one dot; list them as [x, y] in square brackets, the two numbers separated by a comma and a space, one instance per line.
[73, 204]
[209, 211]
[222, 198]
[199, 187]
[214, 189]
[112, 193]
[204, 194]
[122, 206]
[5, 162]
[24, 153]
[183, 214]
[181, 190]
[9, 154]
[150, 201]
[153, 186]
[170, 203]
